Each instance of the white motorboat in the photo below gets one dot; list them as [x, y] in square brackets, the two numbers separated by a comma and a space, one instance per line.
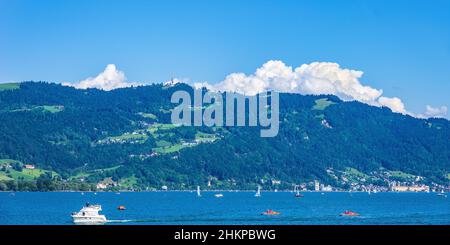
[89, 215]
[219, 195]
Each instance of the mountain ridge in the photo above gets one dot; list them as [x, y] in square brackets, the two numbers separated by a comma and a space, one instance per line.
[76, 132]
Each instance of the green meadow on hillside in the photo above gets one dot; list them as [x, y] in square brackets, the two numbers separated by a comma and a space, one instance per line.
[322, 104]
[15, 170]
[9, 86]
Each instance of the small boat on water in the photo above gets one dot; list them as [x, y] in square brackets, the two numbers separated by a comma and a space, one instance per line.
[121, 207]
[198, 191]
[218, 195]
[258, 192]
[270, 212]
[349, 213]
[89, 215]
[442, 194]
[297, 192]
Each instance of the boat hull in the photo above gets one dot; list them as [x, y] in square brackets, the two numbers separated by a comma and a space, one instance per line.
[78, 219]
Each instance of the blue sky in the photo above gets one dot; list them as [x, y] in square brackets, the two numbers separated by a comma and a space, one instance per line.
[403, 47]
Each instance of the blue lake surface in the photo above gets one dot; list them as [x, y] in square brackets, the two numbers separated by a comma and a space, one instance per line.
[164, 208]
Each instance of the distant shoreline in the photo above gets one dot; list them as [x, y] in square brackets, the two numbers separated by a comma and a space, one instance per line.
[205, 191]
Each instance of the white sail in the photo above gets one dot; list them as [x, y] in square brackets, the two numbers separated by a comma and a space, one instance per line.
[258, 192]
[198, 191]
[297, 191]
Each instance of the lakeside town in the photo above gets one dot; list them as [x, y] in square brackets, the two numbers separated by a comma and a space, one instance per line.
[392, 182]
[16, 176]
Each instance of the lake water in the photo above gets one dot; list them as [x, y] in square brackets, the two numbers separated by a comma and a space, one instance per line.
[163, 208]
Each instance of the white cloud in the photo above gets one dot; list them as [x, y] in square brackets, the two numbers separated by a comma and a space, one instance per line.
[395, 104]
[109, 79]
[329, 78]
[315, 78]
[438, 112]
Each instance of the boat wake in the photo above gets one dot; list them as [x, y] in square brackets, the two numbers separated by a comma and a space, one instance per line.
[120, 221]
[132, 220]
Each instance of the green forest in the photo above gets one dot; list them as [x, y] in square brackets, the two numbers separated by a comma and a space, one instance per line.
[123, 138]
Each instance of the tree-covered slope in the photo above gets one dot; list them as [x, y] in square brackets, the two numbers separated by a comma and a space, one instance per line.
[126, 134]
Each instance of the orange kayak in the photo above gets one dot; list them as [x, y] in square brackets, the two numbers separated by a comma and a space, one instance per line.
[349, 213]
[121, 207]
[270, 212]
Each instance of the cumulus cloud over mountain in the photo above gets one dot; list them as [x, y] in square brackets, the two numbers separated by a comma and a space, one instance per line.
[315, 78]
[111, 78]
[438, 112]
[395, 104]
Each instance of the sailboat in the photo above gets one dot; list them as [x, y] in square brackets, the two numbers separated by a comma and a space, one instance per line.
[198, 191]
[258, 192]
[297, 191]
[442, 193]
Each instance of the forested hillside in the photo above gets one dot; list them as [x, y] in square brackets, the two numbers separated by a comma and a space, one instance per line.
[124, 138]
